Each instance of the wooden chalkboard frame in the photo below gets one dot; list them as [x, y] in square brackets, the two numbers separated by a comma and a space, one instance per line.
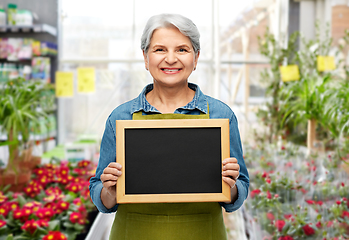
[123, 125]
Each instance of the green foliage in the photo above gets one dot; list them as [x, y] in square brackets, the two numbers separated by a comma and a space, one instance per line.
[277, 55]
[320, 96]
[20, 105]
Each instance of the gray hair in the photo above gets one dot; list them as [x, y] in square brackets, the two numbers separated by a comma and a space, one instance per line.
[183, 24]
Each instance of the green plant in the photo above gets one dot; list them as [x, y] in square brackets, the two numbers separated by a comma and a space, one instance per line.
[20, 105]
[277, 55]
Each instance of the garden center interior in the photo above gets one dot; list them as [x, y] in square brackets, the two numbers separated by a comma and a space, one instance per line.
[282, 66]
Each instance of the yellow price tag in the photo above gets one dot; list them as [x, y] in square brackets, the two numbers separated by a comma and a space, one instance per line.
[64, 84]
[325, 63]
[289, 73]
[86, 80]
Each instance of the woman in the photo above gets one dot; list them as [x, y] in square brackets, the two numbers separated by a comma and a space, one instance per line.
[171, 49]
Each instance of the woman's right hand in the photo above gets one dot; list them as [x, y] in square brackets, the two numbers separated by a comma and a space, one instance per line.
[110, 176]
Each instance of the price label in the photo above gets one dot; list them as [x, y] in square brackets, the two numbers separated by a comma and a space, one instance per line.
[86, 80]
[289, 73]
[325, 63]
[64, 84]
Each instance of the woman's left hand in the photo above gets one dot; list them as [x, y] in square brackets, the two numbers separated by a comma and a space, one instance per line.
[230, 171]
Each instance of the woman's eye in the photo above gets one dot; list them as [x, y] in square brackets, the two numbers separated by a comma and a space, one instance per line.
[159, 50]
[183, 50]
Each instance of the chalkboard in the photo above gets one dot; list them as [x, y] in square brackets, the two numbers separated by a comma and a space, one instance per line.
[172, 160]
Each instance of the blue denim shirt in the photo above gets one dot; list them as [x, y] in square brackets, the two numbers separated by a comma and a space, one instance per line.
[217, 109]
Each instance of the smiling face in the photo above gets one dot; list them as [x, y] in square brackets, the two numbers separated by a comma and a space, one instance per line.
[170, 58]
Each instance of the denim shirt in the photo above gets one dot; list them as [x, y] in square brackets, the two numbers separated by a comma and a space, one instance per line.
[217, 109]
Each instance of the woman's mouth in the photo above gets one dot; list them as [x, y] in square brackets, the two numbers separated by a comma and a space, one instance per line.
[171, 70]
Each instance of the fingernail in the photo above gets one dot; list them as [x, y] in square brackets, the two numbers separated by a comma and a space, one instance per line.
[224, 162]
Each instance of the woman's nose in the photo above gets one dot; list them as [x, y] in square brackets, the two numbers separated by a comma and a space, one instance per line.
[171, 57]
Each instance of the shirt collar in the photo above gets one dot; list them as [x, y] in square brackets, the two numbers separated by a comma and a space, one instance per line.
[199, 101]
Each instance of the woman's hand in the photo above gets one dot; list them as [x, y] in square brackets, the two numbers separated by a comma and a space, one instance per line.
[109, 178]
[230, 171]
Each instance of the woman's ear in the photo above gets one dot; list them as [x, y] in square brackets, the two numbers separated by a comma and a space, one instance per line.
[145, 56]
[196, 59]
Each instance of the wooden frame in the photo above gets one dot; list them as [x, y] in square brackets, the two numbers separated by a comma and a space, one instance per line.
[122, 126]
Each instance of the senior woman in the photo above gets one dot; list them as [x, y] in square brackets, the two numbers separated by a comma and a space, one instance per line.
[171, 49]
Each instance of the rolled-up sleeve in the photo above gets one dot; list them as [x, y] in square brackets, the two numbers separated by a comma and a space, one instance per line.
[243, 181]
[107, 155]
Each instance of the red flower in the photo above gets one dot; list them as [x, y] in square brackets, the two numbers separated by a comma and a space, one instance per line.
[345, 214]
[4, 210]
[308, 230]
[270, 216]
[30, 226]
[3, 198]
[338, 202]
[76, 217]
[42, 223]
[311, 202]
[12, 205]
[54, 235]
[320, 203]
[45, 213]
[268, 180]
[318, 224]
[255, 192]
[2, 223]
[279, 224]
[265, 175]
[83, 163]
[329, 224]
[268, 194]
[77, 201]
[74, 187]
[63, 171]
[285, 238]
[63, 205]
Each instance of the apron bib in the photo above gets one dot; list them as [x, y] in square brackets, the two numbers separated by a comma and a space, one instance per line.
[169, 221]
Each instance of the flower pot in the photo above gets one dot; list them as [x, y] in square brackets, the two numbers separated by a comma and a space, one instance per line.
[17, 180]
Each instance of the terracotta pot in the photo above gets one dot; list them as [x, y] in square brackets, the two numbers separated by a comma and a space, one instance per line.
[30, 164]
[17, 180]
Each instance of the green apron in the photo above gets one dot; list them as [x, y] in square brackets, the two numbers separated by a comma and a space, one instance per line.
[169, 221]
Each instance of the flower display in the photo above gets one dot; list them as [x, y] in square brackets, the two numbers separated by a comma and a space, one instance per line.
[53, 205]
[307, 199]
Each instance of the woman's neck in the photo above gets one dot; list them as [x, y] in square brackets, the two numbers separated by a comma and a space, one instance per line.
[168, 99]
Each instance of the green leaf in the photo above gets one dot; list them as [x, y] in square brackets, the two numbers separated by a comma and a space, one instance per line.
[53, 225]
[21, 200]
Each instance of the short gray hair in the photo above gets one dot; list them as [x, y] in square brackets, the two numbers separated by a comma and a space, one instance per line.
[183, 24]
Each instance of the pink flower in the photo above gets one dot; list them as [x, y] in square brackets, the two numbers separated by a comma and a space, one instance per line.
[308, 230]
[268, 180]
[311, 202]
[279, 224]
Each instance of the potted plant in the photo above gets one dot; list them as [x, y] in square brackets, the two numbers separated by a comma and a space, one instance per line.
[20, 107]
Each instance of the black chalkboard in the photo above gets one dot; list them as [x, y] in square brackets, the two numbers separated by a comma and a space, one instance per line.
[172, 160]
[187, 160]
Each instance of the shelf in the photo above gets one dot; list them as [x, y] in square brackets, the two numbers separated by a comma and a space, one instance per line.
[36, 28]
